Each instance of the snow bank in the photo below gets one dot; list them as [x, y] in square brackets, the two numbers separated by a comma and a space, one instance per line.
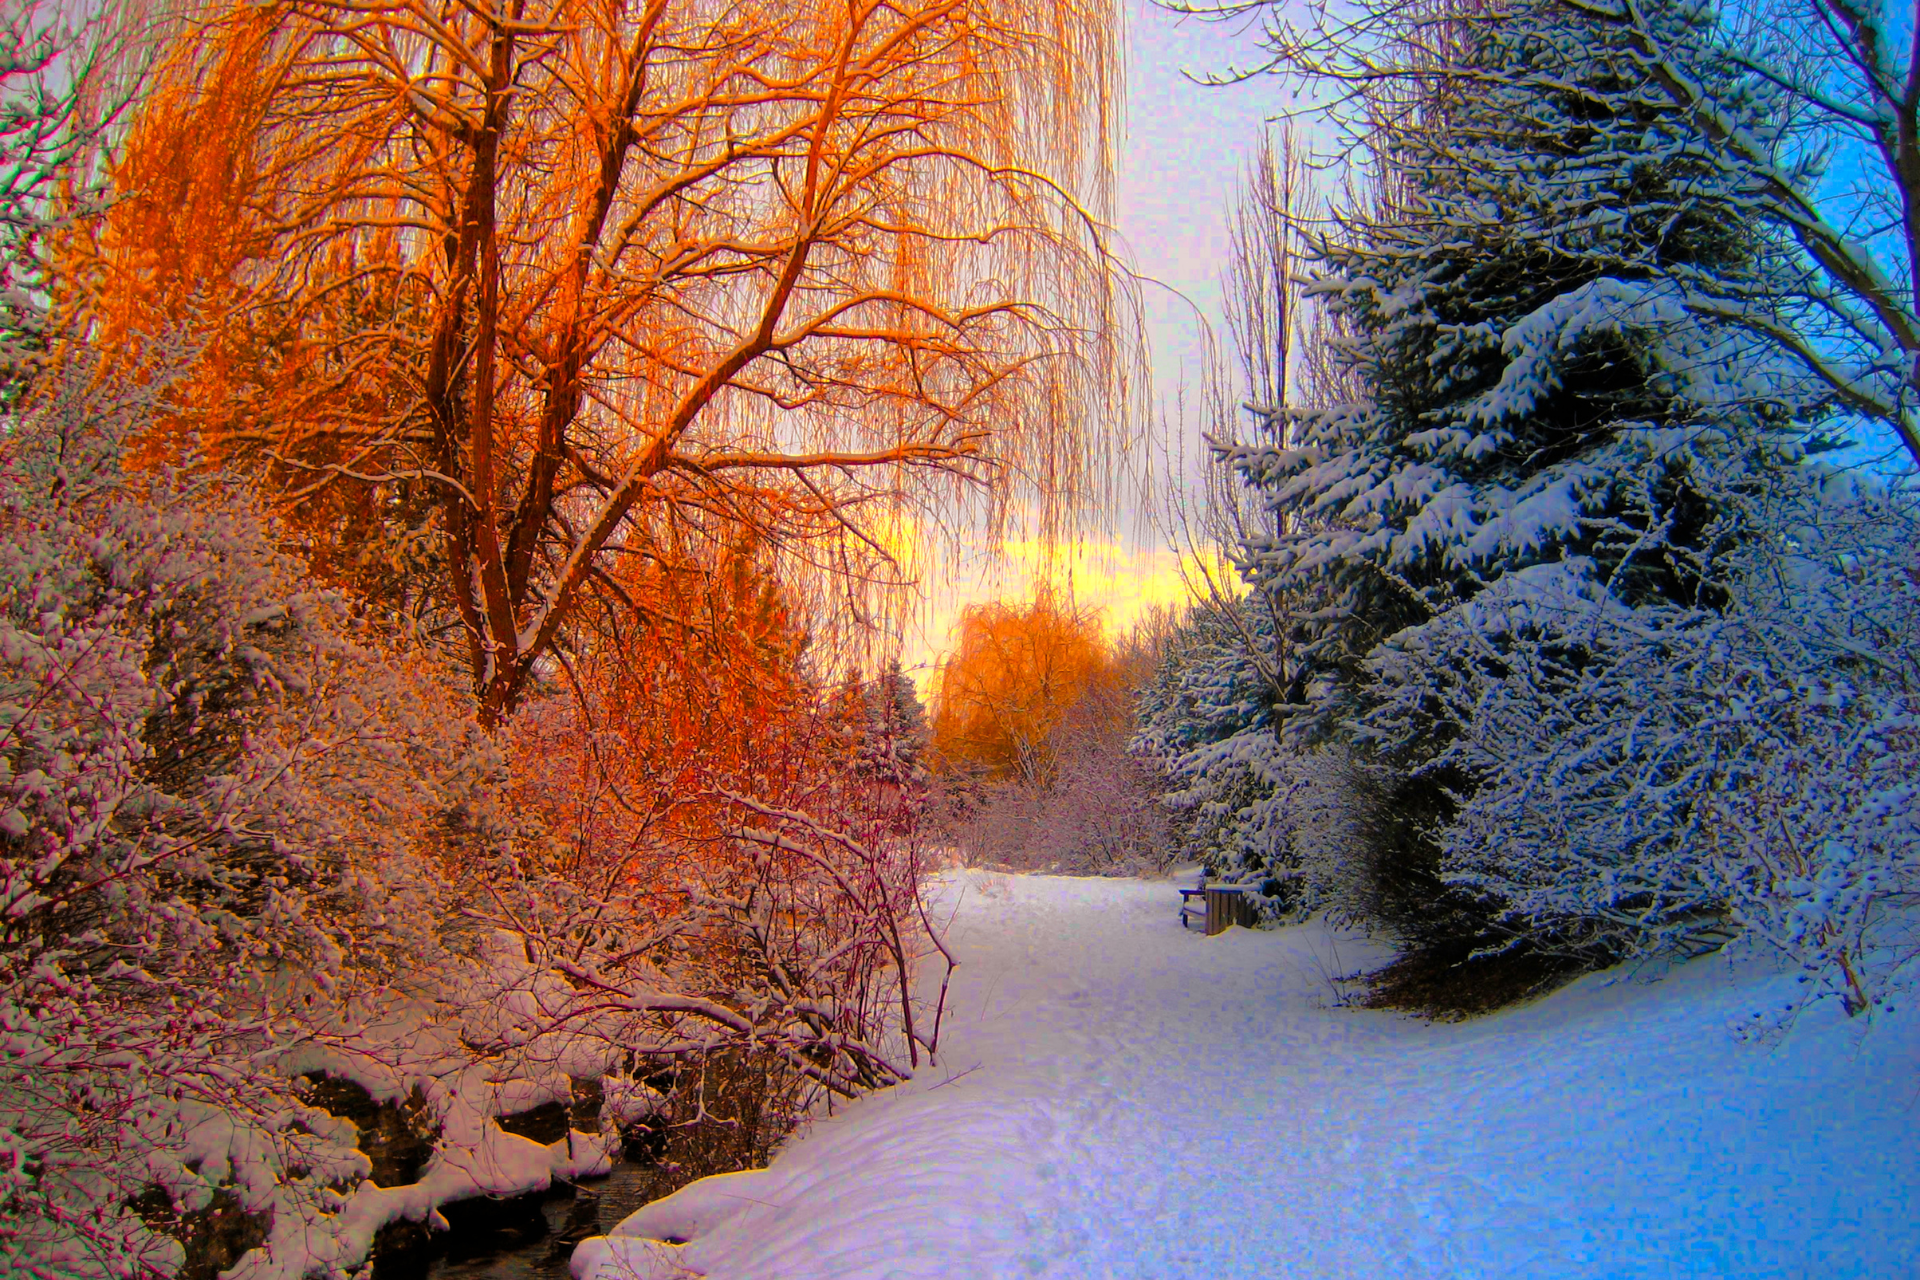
[1117, 1097]
[412, 1048]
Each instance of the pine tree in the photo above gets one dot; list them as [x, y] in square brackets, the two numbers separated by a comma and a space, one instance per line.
[1207, 721]
[1536, 396]
[894, 737]
[1544, 419]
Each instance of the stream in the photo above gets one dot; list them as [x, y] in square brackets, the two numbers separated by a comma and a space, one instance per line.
[531, 1238]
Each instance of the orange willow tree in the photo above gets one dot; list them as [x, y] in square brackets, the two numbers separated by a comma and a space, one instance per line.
[1019, 672]
[580, 280]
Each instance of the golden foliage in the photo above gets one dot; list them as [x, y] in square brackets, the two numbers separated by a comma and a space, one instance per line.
[692, 686]
[582, 278]
[1019, 674]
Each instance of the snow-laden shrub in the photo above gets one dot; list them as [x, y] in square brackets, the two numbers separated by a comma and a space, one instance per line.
[1664, 777]
[244, 844]
[1075, 800]
[722, 863]
[1097, 815]
[211, 789]
[1816, 844]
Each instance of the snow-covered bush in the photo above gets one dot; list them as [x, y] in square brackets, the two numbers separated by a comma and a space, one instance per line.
[1098, 814]
[1814, 839]
[212, 789]
[722, 860]
[1568, 722]
[1663, 778]
[1032, 719]
[250, 857]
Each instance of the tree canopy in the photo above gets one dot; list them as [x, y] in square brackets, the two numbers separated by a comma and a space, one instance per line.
[507, 295]
[1016, 675]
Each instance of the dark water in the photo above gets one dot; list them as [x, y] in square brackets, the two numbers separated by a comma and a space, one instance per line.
[531, 1238]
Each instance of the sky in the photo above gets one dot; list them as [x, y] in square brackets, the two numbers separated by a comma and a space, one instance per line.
[1180, 160]
[1178, 163]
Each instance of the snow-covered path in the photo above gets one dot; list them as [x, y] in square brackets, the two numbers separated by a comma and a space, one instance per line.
[1118, 1097]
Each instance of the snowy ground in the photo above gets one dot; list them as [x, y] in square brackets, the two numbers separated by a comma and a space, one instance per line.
[1119, 1098]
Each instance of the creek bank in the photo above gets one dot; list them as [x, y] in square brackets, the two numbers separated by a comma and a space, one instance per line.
[439, 1173]
[531, 1233]
[530, 1237]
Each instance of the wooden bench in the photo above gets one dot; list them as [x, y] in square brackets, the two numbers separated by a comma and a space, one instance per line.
[1188, 910]
[1220, 905]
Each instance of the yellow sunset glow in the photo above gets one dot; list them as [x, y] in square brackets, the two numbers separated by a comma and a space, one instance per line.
[1121, 581]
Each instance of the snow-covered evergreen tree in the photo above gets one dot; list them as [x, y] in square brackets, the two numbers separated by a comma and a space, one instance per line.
[64, 77]
[893, 729]
[1537, 397]
[1206, 720]
[1543, 418]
